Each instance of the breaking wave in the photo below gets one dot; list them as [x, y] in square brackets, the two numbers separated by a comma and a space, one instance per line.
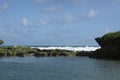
[86, 48]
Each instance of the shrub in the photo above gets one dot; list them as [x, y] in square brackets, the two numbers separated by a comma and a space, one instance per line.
[109, 38]
[1, 42]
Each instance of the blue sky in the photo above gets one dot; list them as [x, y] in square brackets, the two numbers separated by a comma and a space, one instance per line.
[57, 22]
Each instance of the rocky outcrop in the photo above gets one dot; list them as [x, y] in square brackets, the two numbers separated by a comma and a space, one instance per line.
[110, 46]
[109, 39]
[1, 41]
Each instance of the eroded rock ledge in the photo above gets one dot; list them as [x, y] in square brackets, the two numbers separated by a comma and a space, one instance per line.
[110, 46]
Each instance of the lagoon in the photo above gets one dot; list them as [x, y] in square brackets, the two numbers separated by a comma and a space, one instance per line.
[58, 68]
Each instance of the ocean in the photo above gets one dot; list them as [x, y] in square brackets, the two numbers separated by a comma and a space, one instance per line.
[58, 68]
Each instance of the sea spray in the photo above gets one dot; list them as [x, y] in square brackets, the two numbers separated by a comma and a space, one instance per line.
[86, 48]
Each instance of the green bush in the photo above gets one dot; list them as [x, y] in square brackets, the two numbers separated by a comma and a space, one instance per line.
[1, 42]
[109, 38]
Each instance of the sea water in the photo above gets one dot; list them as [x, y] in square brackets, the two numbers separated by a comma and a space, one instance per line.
[58, 68]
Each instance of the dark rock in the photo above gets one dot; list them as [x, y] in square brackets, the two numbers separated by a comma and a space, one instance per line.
[110, 46]
[83, 53]
[40, 54]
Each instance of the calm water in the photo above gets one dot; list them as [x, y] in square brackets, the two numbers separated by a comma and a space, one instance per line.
[58, 68]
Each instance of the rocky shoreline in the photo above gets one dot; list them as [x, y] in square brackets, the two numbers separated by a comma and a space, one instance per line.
[22, 51]
[110, 49]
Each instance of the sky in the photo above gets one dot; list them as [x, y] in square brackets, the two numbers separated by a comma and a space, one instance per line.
[57, 22]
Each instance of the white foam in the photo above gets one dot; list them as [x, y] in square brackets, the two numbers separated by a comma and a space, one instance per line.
[86, 48]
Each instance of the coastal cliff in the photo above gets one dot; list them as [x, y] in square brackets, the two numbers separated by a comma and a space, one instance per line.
[110, 46]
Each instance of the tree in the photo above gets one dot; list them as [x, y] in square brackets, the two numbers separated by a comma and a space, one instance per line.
[1, 42]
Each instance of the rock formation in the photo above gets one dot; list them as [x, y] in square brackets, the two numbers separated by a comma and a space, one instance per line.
[110, 46]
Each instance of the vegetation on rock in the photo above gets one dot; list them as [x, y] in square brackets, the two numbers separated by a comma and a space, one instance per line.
[22, 51]
[14, 50]
[1, 42]
[112, 38]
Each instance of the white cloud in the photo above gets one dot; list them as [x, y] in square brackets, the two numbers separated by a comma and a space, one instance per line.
[69, 19]
[90, 37]
[107, 29]
[92, 13]
[78, 2]
[4, 6]
[39, 1]
[64, 20]
[68, 2]
[24, 22]
[53, 9]
[43, 22]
